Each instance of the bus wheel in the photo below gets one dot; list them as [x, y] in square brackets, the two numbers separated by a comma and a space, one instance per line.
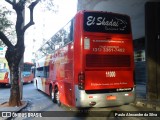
[52, 95]
[37, 86]
[57, 97]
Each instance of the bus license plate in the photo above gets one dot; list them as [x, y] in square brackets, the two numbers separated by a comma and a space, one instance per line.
[111, 97]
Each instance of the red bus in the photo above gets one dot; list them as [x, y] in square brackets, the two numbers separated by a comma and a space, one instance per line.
[27, 72]
[89, 62]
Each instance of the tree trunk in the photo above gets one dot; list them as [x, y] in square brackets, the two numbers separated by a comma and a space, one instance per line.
[13, 56]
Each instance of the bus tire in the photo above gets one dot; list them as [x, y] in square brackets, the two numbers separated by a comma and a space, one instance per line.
[52, 95]
[37, 86]
[57, 97]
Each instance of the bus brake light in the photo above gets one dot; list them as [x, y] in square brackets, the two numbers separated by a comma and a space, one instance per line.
[81, 81]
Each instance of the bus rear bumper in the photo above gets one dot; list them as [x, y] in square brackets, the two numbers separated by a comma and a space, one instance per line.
[5, 81]
[103, 99]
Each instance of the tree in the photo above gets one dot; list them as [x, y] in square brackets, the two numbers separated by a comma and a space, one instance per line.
[15, 53]
[6, 25]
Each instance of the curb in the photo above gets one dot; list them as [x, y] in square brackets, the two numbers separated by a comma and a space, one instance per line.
[15, 109]
[5, 110]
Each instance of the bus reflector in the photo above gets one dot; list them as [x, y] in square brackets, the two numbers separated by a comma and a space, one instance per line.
[86, 43]
[81, 82]
[128, 94]
[90, 96]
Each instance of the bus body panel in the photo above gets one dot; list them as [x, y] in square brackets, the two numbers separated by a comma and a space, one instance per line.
[100, 99]
[108, 79]
[60, 73]
[78, 46]
[63, 66]
[41, 81]
[107, 62]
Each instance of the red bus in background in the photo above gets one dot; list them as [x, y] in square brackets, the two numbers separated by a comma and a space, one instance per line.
[27, 73]
[89, 62]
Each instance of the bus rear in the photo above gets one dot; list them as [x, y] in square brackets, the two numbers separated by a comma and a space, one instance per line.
[104, 62]
[28, 76]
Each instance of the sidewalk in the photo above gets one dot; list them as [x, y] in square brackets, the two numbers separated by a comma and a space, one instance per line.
[141, 100]
[148, 104]
[5, 112]
[15, 109]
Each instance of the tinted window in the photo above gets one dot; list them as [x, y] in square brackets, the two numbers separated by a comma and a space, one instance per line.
[61, 38]
[42, 72]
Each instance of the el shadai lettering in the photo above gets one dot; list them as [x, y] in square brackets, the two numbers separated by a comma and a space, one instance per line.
[102, 22]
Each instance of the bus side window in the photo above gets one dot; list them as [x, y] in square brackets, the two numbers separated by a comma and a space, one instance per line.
[4, 65]
[71, 30]
[68, 32]
[39, 72]
[46, 71]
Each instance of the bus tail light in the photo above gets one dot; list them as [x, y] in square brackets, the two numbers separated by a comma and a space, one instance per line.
[128, 94]
[6, 75]
[81, 81]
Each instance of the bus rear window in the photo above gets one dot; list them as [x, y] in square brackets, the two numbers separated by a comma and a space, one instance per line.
[108, 60]
[106, 23]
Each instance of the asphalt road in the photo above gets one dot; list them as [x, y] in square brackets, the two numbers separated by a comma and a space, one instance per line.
[40, 102]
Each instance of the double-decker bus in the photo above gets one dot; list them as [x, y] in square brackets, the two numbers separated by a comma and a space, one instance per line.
[89, 62]
[4, 72]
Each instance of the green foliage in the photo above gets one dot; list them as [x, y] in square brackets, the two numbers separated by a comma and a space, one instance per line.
[49, 5]
[6, 25]
[4, 21]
